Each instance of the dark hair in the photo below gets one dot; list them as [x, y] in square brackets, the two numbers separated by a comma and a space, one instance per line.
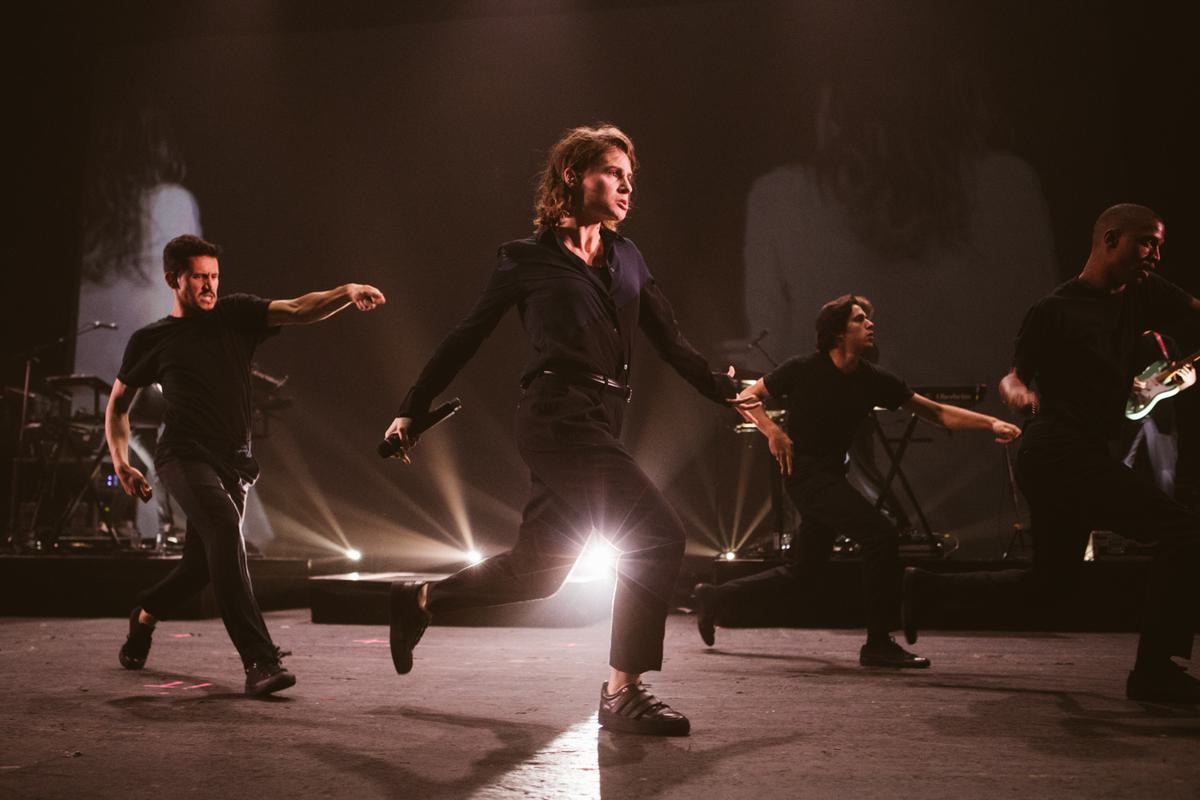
[834, 316]
[179, 252]
[578, 149]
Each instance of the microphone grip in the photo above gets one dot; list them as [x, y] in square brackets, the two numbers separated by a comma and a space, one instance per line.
[393, 444]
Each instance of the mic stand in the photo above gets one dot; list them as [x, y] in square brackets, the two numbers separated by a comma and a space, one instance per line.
[756, 344]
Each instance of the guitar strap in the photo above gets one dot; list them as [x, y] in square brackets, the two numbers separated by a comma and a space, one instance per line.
[1162, 346]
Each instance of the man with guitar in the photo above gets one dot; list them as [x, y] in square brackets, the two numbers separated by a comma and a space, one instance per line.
[829, 394]
[1072, 372]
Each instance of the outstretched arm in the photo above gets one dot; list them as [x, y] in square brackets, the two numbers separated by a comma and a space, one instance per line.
[116, 431]
[961, 418]
[316, 306]
[750, 405]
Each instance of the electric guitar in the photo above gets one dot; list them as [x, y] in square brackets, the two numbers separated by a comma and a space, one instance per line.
[1156, 382]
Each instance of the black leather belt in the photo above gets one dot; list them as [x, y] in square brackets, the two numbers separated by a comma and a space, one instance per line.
[592, 380]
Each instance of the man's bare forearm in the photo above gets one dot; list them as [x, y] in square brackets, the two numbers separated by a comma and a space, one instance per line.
[116, 432]
[317, 306]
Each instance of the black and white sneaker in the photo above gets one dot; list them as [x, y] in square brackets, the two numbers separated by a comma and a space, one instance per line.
[634, 710]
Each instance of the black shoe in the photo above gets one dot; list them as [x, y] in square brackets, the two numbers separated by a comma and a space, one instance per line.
[408, 624]
[706, 612]
[634, 710]
[891, 655]
[915, 595]
[268, 675]
[1168, 683]
[137, 643]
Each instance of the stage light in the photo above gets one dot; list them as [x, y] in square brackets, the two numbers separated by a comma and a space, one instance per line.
[598, 561]
[729, 555]
[473, 556]
[353, 555]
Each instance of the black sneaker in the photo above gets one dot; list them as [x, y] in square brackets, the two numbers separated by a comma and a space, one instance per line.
[137, 643]
[268, 675]
[891, 655]
[1167, 683]
[706, 612]
[408, 624]
[634, 710]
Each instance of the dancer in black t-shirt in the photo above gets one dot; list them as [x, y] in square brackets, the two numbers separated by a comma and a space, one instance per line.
[828, 395]
[1077, 348]
[201, 355]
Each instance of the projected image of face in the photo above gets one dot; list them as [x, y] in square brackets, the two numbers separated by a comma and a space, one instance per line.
[196, 289]
[606, 188]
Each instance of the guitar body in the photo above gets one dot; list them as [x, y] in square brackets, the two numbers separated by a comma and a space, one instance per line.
[1155, 383]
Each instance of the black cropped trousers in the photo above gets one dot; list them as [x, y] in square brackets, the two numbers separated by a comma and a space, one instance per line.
[584, 483]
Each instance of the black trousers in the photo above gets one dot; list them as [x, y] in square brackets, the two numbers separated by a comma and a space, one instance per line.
[213, 550]
[829, 506]
[584, 481]
[1074, 487]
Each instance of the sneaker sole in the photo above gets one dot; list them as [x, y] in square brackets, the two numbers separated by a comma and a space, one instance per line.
[615, 722]
[871, 662]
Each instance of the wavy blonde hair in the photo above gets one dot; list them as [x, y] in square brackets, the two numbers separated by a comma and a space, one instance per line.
[578, 149]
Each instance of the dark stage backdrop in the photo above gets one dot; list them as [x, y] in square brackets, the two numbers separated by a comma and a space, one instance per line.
[945, 161]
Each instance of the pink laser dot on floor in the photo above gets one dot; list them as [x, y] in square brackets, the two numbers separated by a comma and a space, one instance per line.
[198, 686]
[370, 641]
[181, 635]
[170, 685]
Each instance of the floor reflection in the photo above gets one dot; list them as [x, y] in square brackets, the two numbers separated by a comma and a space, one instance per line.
[566, 767]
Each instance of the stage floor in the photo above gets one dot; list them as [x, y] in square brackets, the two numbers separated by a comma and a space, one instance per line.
[510, 712]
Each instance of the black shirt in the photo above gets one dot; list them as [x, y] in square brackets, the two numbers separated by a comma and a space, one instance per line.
[203, 363]
[825, 406]
[1078, 348]
[578, 318]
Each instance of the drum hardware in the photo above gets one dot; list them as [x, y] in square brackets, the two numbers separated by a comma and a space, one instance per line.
[27, 396]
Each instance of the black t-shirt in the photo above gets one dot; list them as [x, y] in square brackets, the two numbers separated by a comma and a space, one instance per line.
[203, 364]
[825, 406]
[1078, 348]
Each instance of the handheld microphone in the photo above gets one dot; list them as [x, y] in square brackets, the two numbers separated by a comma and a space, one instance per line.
[393, 444]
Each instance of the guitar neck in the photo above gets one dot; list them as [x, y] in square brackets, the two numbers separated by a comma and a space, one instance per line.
[1182, 362]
